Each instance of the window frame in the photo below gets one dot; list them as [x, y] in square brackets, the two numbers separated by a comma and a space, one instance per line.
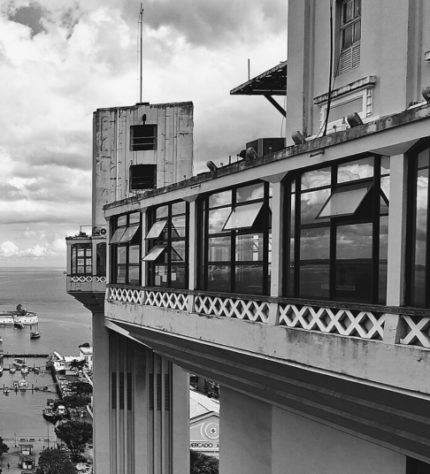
[348, 56]
[87, 257]
[165, 238]
[294, 262]
[234, 264]
[152, 178]
[150, 144]
[134, 241]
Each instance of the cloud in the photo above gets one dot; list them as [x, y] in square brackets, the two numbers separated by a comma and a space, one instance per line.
[31, 16]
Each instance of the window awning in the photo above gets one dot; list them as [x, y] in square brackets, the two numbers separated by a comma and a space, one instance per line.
[154, 253]
[117, 235]
[129, 233]
[156, 229]
[243, 217]
[344, 202]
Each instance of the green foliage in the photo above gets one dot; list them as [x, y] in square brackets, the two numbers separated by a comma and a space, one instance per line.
[75, 401]
[55, 461]
[77, 363]
[82, 387]
[74, 433]
[202, 464]
[4, 448]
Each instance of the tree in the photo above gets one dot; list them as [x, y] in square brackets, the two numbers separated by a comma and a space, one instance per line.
[74, 433]
[55, 461]
[4, 448]
[75, 401]
[77, 364]
[82, 387]
[202, 464]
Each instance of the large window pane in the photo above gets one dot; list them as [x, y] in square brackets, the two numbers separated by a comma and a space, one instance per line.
[383, 254]
[160, 275]
[244, 216]
[311, 204]
[249, 247]
[178, 208]
[217, 219]
[121, 273]
[250, 193]
[354, 241]
[219, 277]
[220, 199]
[133, 275]
[177, 276]
[178, 226]
[314, 280]
[219, 249]
[156, 229]
[121, 255]
[134, 254]
[316, 179]
[353, 170]
[249, 279]
[315, 243]
[178, 251]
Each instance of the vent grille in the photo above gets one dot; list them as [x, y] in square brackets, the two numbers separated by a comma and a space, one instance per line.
[349, 58]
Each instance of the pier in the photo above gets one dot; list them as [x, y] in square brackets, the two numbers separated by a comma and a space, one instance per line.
[23, 356]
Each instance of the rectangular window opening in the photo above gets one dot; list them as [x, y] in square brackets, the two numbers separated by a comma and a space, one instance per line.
[156, 229]
[243, 217]
[343, 202]
[143, 137]
[143, 177]
[154, 253]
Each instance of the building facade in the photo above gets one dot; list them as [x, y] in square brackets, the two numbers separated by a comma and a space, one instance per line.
[298, 280]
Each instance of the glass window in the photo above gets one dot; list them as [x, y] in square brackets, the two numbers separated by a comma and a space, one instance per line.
[129, 233]
[81, 259]
[233, 247]
[154, 253]
[243, 216]
[343, 202]
[333, 242]
[168, 240]
[116, 237]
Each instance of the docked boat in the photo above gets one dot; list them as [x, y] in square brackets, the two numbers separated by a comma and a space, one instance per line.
[12, 369]
[18, 362]
[18, 317]
[34, 332]
[23, 384]
[24, 370]
[6, 391]
[18, 324]
[49, 414]
[1, 371]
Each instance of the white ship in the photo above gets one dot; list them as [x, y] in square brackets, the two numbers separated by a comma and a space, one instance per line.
[20, 317]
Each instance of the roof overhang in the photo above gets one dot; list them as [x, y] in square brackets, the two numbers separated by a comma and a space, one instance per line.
[269, 83]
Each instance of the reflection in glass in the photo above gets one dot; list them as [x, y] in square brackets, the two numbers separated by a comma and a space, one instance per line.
[121, 221]
[354, 279]
[121, 274]
[154, 253]
[121, 255]
[133, 275]
[383, 254]
[315, 243]
[419, 268]
[220, 199]
[134, 218]
[344, 202]
[160, 275]
[156, 229]
[242, 217]
[250, 193]
[161, 211]
[249, 279]
[354, 241]
[314, 280]
[129, 233]
[385, 165]
[316, 179]
[178, 208]
[249, 247]
[133, 254]
[217, 219]
[311, 204]
[219, 249]
[353, 170]
[177, 276]
[117, 235]
[219, 277]
[178, 251]
[178, 226]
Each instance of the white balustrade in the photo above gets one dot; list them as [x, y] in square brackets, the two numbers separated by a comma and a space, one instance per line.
[417, 331]
[164, 299]
[126, 295]
[249, 310]
[344, 322]
[81, 279]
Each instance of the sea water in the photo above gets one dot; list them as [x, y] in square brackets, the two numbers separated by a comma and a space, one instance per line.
[64, 324]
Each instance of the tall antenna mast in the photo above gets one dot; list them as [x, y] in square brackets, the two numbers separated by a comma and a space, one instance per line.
[140, 50]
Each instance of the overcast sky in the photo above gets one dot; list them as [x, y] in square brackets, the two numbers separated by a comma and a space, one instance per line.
[61, 60]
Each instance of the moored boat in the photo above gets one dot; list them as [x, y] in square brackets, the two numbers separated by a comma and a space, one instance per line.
[23, 384]
[34, 335]
[12, 369]
[18, 362]
[24, 370]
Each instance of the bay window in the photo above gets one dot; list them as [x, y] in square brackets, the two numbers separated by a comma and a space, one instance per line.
[338, 221]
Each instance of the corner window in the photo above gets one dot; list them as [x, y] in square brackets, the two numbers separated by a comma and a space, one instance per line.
[338, 236]
[143, 137]
[81, 263]
[349, 34]
[125, 249]
[236, 248]
[101, 259]
[143, 177]
[418, 246]
[167, 238]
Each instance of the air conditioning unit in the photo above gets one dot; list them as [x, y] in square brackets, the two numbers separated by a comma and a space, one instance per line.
[99, 230]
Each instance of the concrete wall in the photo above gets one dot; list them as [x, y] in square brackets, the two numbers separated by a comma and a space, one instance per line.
[394, 39]
[112, 156]
[258, 438]
[302, 446]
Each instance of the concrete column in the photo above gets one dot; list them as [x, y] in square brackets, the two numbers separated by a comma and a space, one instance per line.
[180, 421]
[277, 243]
[141, 411]
[396, 245]
[245, 434]
[144, 231]
[192, 251]
[101, 395]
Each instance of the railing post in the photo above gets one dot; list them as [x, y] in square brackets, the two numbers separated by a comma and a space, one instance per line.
[396, 246]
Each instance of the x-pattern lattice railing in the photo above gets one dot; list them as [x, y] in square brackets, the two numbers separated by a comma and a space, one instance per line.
[126, 295]
[81, 279]
[249, 310]
[345, 322]
[166, 300]
[417, 331]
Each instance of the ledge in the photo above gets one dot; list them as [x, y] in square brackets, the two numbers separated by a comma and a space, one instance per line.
[363, 83]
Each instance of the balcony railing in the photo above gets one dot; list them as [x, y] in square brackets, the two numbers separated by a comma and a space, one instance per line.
[352, 320]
